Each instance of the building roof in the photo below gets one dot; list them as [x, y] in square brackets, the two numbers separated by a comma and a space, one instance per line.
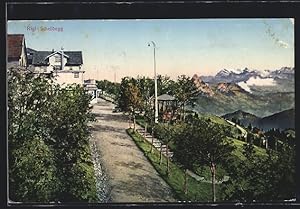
[165, 97]
[30, 50]
[40, 57]
[14, 45]
[30, 53]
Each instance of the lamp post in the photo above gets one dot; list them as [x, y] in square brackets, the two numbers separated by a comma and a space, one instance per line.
[155, 83]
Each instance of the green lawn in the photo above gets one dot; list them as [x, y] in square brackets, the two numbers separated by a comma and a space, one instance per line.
[239, 145]
[176, 179]
[197, 191]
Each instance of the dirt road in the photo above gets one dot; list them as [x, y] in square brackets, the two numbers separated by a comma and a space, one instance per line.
[131, 176]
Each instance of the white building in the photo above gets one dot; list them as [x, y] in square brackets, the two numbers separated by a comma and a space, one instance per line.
[90, 86]
[66, 66]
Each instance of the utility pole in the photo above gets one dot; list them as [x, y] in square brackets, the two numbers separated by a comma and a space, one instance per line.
[155, 82]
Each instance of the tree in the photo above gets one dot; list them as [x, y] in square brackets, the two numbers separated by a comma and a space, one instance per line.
[262, 178]
[183, 152]
[110, 88]
[249, 127]
[49, 156]
[70, 135]
[213, 148]
[185, 93]
[209, 145]
[130, 99]
[31, 162]
[146, 87]
[166, 134]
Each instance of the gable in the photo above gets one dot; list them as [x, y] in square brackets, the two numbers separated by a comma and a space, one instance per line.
[57, 52]
[42, 57]
[15, 46]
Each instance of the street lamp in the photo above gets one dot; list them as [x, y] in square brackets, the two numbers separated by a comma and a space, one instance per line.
[155, 83]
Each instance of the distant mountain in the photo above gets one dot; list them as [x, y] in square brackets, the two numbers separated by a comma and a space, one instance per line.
[202, 87]
[281, 120]
[245, 118]
[268, 93]
[235, 76]
[230, 76]
[229, 89]
[282, 73]
[262, 105]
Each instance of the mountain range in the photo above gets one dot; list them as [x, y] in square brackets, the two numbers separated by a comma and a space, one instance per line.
[281, 120]
[260, 93]
[236, 76]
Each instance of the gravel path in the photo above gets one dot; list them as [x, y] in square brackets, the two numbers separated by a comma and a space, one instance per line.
[130, 175]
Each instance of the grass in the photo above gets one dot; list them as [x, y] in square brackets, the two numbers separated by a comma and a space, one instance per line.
[197, 191]
[239, 148]
[177, 178]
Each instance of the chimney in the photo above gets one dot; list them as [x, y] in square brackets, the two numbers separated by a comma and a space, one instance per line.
[62, 58]
[52, 50]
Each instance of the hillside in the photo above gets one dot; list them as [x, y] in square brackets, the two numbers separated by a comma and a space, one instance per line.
[281, 120]
[245, 118]
[263, 105]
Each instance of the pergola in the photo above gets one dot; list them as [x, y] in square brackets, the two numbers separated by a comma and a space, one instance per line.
[166, 107]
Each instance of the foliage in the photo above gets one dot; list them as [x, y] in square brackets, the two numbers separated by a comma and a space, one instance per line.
[165, 85]
[130, 98]
[206, 145]
[70, 135]
[108, 87]
[185, 92]
[130, 95]
[49, 156]
[146, 87]
[262, 178]
[198, 191]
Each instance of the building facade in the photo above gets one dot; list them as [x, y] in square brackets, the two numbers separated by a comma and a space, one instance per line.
[66, 66]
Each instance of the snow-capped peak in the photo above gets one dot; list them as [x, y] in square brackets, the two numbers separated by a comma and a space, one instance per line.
[223, 72]
[247, 70]
[236, 71]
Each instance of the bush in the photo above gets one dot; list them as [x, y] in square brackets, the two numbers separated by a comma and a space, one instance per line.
[49, 156]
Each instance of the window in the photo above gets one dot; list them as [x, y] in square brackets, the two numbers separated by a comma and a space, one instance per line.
[76, 75]
[57, 58]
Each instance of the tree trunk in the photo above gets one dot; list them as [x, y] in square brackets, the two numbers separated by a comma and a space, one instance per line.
[160, 154]
[152, 138]
[183, 112]
[185, 182]
[213, 181]
[168, 160]
[133, 122]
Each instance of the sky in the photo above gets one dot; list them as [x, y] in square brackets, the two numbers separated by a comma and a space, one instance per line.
[117, 48]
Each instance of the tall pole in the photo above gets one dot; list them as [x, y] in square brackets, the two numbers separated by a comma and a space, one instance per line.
[155, 84]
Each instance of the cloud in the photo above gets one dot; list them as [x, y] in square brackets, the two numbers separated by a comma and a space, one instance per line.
[261, 81]
[275, 37]
[256, 81]
[283, 44]
[244, 86]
